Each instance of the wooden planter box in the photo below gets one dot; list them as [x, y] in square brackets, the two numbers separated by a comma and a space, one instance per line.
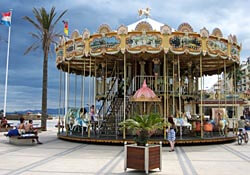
[143, 158]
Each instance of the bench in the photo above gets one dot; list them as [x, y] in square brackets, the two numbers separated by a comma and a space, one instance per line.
[24, 139]
[6, 129]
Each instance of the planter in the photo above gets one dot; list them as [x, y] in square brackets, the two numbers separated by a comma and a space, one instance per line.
[143, 158]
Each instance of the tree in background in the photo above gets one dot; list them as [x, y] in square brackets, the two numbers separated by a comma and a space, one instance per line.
[45, 36]
[235, 76]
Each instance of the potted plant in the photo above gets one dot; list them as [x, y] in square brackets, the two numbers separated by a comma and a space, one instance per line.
[141, 155]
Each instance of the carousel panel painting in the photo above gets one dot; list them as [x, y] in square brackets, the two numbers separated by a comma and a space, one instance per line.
[235, 52]
[215, 47]
[180, 43]
[79, 47]
[69, 49]
[104, 42]
[152, 41]
[59, 54]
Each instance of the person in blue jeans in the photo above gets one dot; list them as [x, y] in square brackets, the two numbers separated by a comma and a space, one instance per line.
[171, 133]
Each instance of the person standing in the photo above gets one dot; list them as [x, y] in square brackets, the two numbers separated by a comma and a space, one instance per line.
[93, 118]
[171, 133]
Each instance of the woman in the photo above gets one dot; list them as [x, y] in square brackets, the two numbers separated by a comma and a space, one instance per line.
[171, 133]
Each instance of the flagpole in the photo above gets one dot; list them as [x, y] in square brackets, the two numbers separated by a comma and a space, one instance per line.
[7, 70]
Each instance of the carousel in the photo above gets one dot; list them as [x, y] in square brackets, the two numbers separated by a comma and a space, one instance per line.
[119, 68]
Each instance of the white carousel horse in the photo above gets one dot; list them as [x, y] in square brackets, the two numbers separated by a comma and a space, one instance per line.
[73, 120]
[145, 12]
[222, 126]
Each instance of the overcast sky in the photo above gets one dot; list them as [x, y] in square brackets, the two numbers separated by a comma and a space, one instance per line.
[25, 72]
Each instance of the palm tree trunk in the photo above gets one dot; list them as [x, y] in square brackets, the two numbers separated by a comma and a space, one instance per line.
[44, 91]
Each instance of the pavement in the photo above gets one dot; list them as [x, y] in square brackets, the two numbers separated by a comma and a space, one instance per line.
[60, 157]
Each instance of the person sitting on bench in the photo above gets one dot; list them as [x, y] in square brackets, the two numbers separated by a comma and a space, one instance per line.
[20, 127]
[18, 130]
[4, 123]
[29, 129]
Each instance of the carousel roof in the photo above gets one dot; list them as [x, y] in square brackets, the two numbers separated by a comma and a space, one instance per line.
[145, 94]
[153, 23]
[145, 40]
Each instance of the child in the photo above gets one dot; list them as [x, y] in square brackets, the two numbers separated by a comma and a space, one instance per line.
[171, 133]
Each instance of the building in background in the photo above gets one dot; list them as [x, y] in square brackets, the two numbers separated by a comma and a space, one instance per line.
[244, 83]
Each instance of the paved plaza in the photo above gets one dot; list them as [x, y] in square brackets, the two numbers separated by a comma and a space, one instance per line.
[62, 157]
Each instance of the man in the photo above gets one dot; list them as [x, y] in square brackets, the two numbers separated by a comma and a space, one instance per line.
[242, 124]
[4, 123]
[29, 129]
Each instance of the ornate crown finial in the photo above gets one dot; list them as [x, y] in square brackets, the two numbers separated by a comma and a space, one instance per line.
[144, 12]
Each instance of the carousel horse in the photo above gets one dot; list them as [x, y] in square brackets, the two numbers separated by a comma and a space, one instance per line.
[145, 12]
[222, 126]
[73, 120]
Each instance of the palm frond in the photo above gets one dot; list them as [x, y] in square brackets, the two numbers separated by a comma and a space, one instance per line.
[58, 19]
[37, 26]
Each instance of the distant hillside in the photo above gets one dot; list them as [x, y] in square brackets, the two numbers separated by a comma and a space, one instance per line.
[50, 111]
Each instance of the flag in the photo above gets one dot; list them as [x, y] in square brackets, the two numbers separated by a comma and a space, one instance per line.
[66, 28]
[6, 19]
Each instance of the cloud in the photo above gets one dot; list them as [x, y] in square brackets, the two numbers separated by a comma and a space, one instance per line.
[25, 71]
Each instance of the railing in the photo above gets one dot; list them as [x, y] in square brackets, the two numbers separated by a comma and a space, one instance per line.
[156, 83]
[109, 97]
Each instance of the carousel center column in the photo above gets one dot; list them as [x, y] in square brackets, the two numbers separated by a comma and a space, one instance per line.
[156, 62]
[129, 77]
[175, 85]
[142, 72]
[190, 78]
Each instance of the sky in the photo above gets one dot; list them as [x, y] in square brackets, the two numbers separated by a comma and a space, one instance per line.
[25, 71]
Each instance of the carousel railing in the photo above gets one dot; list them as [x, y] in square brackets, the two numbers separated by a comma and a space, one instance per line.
[156, 83]
[108, 98]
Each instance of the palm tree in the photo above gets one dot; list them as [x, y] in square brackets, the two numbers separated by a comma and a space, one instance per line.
[45, 36]
[237, 76]
[143, 126]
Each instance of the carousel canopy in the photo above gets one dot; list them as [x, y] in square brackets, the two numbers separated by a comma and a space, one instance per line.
[145, 94]
[154, 25]
[146, 40]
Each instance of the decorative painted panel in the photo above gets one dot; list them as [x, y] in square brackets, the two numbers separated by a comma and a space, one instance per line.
[59, 54]
[180, 43]
[137, 41]
[109, 43]
[69, 49]
[235, 53]
[79, 47]
[217, 46]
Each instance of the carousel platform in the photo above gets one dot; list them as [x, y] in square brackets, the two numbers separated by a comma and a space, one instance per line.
[185, 140]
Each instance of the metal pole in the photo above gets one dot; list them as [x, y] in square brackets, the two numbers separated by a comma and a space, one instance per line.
[59, 109]
[7, 70]
[95, 86]
[179, 79]
[81, 89]
[68, 85]
[165, 91]
[173, 90]
[84, 74]
[235, 92]
[124, 100]
[201, 112]
[89, 95]
[75, 88]
[225, 87]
